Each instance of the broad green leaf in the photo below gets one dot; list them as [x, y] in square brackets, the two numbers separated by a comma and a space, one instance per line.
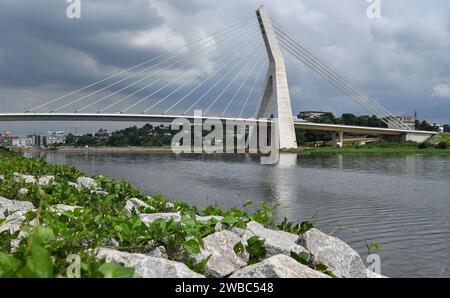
[38, 265]
[302, 258]
[239, 248]
[230, 220]
[114, 270]
[8, 265]
[5, 241]
[42, 235]
[192, 246]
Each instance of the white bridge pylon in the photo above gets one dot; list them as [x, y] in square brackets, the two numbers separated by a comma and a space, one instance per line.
[276, 92]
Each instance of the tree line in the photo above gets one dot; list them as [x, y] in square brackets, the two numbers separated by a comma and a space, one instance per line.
[148, 135]
[156, 136]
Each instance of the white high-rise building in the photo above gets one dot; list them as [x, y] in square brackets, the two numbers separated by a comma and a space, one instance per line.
[56, 137]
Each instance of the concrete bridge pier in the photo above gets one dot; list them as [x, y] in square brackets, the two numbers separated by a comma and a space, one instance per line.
[337, 139]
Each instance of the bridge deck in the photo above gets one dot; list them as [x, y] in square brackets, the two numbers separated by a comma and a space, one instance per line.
[357, 129]
[97, 117]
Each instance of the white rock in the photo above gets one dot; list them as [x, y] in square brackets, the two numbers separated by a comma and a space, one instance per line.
[46, 180]
[146, 266]
[2, 177]
[13, 206]
[223, 261]
[100, 193]
[13, 222]
[276, 242]
[159, 252]
[279, 266]
[337, 255]
[22, 191]
[133, 205]
[218, 227]
[25, 178]
[149, 218]
[73, 184]
[206, 219]
[112, 242]
[60, 208]
[86, 182]
[15, 242]
[170, 206]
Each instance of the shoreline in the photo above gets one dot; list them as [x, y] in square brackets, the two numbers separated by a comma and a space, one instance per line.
[323, 151]
[101, 150]
[393, 151]
[125, 150]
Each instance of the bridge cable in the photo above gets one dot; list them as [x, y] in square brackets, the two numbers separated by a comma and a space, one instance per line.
[243, 83]
[364, 100]
[220, 80]
[131, 76]
[252, 89]
[249, 62]
[226, 49]
[373, 106]
[180, 87]
[316, 61]
[241, 22]
[190, 61]
[351, 92]
[200, 85]
[355, 96]
[337, 85]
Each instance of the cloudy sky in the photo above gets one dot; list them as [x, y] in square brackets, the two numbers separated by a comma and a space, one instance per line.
[402, 59]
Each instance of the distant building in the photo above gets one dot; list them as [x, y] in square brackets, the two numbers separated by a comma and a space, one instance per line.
[38, 140]
[441, 128]
[22, 142]
[56, 137]
[310, 115]
[409, 121]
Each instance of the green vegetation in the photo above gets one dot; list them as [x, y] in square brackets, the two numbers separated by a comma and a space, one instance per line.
[308, 136]
[48, 238]
[305, 259]
[147, 135]
[440, 138]
[385, 148]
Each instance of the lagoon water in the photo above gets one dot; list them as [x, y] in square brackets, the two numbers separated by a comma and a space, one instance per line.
[402, 203]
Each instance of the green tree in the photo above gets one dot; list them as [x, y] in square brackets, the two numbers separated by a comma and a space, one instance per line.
[348, 119]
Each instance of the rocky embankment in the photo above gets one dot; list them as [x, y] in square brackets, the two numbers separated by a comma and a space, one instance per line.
[159, 239]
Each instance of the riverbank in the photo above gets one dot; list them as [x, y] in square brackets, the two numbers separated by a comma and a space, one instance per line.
[439, 146]
[436, 146]
[376, 151]
[48, 212]
[101, 149]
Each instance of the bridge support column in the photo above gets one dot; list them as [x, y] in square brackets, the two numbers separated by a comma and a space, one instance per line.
[337, 139]
[276, 90]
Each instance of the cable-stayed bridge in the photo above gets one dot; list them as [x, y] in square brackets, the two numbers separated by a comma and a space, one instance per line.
[237, 73]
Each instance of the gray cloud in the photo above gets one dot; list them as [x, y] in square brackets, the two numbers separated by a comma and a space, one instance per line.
[398, 59]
